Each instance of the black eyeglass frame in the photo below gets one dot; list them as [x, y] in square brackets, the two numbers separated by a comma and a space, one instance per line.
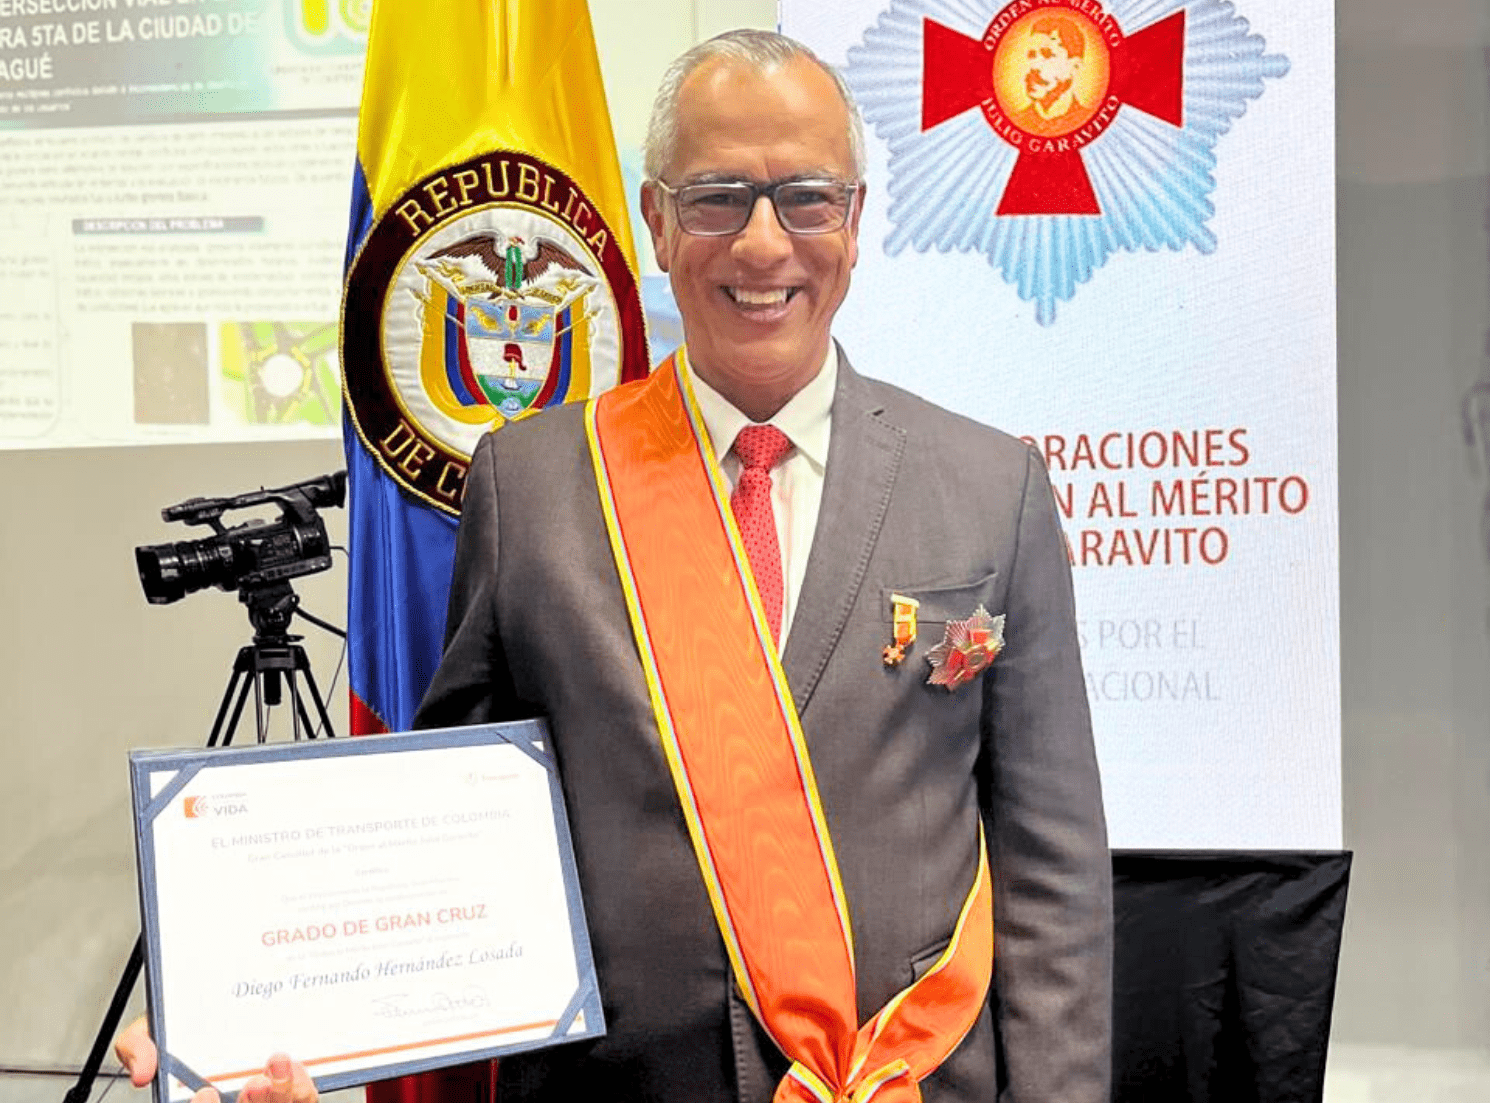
[756, 191]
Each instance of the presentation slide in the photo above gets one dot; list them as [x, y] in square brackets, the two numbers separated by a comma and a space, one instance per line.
[174, 181]
[1107, 226]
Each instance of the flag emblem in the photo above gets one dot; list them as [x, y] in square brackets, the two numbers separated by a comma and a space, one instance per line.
[1053, 133]
[488, 291]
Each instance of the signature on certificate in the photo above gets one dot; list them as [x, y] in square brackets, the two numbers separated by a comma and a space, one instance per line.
[399, 1005]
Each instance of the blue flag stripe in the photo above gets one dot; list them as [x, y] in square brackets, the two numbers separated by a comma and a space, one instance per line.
[402, 553]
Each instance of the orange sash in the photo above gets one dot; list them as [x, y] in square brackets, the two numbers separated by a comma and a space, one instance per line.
[740, 764]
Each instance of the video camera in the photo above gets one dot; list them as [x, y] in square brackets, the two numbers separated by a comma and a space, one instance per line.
[243, 557]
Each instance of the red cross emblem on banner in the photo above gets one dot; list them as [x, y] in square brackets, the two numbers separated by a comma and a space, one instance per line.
[1049, 77]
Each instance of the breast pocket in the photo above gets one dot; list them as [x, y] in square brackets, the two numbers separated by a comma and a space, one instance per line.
[936, 605]
[958, 630]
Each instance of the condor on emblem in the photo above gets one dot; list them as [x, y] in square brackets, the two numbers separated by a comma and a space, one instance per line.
[489, 291]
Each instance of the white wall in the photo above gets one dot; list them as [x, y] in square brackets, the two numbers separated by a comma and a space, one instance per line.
[1414, 192]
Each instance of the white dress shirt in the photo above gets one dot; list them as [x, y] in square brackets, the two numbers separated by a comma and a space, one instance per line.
[797, 481]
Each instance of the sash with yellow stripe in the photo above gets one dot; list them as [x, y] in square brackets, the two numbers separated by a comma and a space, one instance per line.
[739, 761]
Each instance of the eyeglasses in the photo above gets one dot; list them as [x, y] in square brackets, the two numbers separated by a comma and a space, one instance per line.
[802, 206]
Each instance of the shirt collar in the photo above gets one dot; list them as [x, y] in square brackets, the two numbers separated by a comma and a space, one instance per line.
[806, 418]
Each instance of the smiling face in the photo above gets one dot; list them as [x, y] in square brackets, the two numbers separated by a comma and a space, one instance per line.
[757, 306]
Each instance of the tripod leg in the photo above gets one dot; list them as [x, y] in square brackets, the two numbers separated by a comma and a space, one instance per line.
[237, 709]
[81, 1090]
[302, 712]
[236, 683]
[301, 664]
[315, 695]
[297, 707]
[261, 717]
[222, 711]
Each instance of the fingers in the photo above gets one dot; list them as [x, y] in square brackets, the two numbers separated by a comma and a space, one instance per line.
[286, 1082]
[136, 1052]
[283, 1080]
[304, 1089]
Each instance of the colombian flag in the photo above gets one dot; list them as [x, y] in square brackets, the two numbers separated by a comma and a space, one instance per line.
[447, 81]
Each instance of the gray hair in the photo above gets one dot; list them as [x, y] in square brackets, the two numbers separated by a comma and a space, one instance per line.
[763, 50]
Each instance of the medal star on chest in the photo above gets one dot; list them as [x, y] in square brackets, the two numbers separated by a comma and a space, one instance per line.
[967, 649]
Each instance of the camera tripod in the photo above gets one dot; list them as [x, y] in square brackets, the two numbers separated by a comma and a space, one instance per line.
[274, 659]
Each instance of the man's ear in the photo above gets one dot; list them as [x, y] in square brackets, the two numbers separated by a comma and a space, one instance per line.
[653, 213]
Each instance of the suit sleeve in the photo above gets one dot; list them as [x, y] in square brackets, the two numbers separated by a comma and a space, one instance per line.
[1042, 801]
[472, 684]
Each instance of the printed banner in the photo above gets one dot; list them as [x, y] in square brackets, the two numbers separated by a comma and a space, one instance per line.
[1107, 226]
[107, 62]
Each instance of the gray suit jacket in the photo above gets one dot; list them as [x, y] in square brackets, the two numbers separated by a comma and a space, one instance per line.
[916, 501]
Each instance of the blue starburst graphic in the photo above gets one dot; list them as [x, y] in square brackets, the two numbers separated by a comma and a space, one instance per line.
[1152, 180]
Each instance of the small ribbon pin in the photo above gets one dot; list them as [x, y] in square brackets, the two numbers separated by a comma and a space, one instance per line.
[904, 632]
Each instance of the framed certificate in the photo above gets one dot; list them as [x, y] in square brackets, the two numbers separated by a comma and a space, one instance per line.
[372, 906]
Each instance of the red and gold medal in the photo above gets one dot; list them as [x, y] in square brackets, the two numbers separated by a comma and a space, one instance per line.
[967, 648]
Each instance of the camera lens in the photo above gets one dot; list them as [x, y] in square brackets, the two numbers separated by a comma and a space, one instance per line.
[169, 572]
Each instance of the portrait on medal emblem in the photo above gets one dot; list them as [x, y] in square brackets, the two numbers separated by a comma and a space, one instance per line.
[1050, 58]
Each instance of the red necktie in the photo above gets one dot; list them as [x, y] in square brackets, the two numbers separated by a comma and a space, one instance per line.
[760, 448]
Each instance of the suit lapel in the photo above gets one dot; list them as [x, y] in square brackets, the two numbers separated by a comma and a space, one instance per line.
[863, 457]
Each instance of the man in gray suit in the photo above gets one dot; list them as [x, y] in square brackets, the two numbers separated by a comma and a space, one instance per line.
[882, 494]
[881, 501]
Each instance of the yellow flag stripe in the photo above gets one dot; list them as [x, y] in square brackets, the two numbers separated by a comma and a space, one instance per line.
[446, 81]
